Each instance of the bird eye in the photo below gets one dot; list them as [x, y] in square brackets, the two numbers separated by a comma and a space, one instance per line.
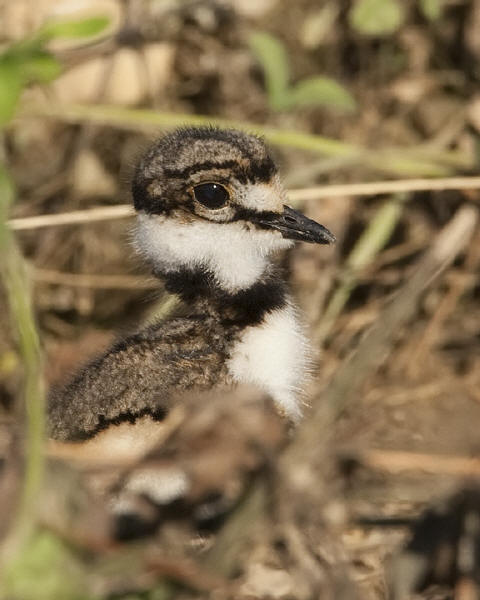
[211, 195]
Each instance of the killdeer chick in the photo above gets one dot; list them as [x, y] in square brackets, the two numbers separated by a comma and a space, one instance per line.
[211, 214]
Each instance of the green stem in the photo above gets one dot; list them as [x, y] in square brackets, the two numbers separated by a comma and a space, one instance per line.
[370, 243]
[14, 276]
[417, 161]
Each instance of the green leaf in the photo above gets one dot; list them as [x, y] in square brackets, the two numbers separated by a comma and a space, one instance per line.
[11, 84]
[271, 54]
[432, 9]
[41, 67]
[19, 65]
[321, 91]
[46, 569]
[376, 17]
[84, 28]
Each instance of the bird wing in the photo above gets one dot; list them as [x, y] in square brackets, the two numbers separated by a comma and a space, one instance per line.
[137, 375]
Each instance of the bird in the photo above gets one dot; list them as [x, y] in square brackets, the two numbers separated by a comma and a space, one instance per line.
[211, 214]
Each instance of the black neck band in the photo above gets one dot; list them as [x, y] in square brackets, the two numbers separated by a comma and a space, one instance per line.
[242, 308]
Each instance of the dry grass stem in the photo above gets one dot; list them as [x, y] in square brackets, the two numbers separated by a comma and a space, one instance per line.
[395, 462]
[376, 343]
[103, 282]
[297, 196]
[75, 217]
[385, 187]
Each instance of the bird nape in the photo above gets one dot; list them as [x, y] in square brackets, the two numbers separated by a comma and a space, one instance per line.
[211, 214]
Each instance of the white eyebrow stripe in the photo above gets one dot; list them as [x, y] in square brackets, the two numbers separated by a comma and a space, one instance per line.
[263, 196]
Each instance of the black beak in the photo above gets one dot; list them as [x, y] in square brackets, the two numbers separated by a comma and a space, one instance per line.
[295, 226]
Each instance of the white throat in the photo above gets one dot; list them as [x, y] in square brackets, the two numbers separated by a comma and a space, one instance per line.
[235, 256]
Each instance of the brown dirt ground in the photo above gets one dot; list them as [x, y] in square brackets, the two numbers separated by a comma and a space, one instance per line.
[414, 86]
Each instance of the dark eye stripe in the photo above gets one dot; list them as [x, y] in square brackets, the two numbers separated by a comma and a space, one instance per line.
[211, 195]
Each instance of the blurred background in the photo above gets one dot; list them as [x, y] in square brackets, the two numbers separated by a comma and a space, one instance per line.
[345, 92]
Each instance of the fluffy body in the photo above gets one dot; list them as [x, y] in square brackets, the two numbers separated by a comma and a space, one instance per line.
[136, 377]
[253, 338]
[239, 324]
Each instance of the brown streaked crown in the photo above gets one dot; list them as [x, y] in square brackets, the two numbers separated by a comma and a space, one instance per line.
[192, 155]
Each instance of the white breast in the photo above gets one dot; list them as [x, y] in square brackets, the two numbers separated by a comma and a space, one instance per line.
[274, 356]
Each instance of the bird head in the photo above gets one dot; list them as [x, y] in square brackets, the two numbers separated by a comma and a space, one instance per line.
[211, 199]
